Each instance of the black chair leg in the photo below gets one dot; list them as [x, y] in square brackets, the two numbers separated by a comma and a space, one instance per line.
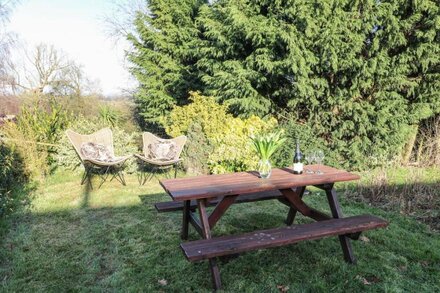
[140, 176]
[121, 178]
[154, 171]
[148, 178]
[85, 175]
[118, 174]
[144, 177]
[168, 173]
[104, 177]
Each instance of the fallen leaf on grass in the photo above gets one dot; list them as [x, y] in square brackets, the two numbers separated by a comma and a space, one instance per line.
[163, 282]
[363, 280]
[364, 239]
[282, 288]
[403, 268]
[368, 280]
[373, 279]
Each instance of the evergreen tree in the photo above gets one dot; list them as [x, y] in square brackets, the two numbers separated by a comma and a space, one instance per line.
[163, 56]
[359, 72]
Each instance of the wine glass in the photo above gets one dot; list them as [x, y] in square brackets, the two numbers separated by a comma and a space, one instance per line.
[319, 157]
[310, 157]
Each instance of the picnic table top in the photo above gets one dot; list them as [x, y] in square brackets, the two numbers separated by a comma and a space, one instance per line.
[211, 186]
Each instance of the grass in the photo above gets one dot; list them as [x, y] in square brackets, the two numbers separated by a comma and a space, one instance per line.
[112, 239]
[409, 190]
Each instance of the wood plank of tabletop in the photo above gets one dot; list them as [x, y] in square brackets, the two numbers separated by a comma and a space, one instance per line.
[211, 186]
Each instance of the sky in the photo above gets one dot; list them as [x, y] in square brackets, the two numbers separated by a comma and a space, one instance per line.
[76, 27]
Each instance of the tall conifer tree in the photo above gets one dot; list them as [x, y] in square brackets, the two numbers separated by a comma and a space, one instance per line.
[163, 56]
[360, 72]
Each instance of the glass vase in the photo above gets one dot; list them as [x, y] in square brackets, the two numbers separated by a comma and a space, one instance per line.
[264, 168]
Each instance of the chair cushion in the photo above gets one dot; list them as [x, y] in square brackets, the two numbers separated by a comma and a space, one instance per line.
[96, 151]
[162, 151]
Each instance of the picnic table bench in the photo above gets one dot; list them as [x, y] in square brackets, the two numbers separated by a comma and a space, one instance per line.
[193, 194]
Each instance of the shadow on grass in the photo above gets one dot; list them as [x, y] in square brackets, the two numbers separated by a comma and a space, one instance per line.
[16, 186]
[86, 193]
[416, 199]
[134, 248]
[152, 198]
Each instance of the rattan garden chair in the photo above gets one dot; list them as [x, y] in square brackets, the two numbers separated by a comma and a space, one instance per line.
[104, 168]
[159, 155]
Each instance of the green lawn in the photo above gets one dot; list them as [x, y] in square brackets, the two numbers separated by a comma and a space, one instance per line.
[112, 239]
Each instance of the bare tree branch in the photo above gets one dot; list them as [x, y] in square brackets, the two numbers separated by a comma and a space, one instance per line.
[119, 23]
[7, 40]
[46, 69]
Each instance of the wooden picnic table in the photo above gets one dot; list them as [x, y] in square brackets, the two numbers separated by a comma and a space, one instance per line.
[193, 194]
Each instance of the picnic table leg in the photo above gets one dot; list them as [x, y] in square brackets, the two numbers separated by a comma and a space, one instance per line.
[204, 221]
[292, 211]
[337, 214]
[220, 209]
[185, 220]
[292, 195]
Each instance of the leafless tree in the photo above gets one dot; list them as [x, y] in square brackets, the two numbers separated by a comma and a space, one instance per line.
[46, 69]
[75, 82]
[6, 7]
[7, 40]
[119, 23]
[43, 69]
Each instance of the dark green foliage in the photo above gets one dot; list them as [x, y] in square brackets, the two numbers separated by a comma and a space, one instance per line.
[356, 72]
[311, 56]
[163, 57]
[197, 150]
[308, 141]
[13, 178]
[359, 73]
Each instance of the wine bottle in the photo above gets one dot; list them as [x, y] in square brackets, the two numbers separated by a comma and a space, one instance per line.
[298, 165]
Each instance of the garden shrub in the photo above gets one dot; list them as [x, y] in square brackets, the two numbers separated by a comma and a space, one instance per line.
[234, 151]
[362, 74]
[308, 141]
[125, 143]
[205, 110]
[197, 150]
[228, 135]
[44, 120]
[36, 132]
[118, 111]
[109, 115]
[14, 190]
[338, 153]
[85, 105]
[35, 157]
